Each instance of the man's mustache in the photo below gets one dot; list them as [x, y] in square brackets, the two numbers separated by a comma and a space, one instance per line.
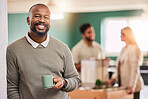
[40, 23]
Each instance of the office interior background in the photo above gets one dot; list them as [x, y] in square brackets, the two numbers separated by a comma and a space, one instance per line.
[107, 16]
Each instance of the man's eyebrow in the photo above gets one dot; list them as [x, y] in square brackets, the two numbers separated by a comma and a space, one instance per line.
[36, 14]
[39, 14]
[47, 15]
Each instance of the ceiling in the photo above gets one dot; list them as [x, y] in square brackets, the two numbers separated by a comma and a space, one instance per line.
[76, 6]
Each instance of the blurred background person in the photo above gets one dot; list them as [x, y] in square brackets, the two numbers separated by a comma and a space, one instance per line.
[87, 47]
[128, 62]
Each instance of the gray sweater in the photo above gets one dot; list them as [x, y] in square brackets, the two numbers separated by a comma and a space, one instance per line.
[26, 65]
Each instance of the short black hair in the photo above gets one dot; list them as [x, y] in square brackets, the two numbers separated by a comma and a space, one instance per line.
[84, 26]
[38, 4]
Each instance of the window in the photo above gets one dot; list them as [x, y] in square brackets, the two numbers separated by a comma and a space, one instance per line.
[113, 44]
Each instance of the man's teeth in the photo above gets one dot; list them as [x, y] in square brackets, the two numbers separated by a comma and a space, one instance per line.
[41, 26]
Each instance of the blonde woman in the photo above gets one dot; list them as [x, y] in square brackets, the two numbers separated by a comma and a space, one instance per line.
[128, 62]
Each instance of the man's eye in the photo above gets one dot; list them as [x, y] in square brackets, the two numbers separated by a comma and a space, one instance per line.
[46, 17]
[37, 16]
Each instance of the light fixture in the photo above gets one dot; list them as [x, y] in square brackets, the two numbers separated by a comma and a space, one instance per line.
[56, 13]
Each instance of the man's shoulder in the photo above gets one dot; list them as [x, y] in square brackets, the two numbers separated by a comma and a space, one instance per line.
[17, 43]
[58, 44]
[96, 44]
[78, 45]
[56, 41]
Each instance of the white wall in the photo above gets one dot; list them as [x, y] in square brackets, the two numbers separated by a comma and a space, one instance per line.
[3, 45]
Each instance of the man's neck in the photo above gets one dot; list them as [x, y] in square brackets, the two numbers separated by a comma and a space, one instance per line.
[37, 38]
[88, 43]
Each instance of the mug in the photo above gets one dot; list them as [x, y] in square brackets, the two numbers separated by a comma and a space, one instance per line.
[47, 81]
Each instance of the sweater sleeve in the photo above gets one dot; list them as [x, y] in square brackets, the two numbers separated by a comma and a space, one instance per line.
[12, 76]
[70, 74]
[134, 64]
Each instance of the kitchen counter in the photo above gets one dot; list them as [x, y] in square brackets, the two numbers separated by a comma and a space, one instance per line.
[109, 93]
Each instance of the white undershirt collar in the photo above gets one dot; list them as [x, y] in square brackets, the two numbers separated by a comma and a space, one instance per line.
[35, 44]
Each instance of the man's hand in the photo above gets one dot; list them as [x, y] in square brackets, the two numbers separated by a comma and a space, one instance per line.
[59, 82]
[110, 82]
[78, 67]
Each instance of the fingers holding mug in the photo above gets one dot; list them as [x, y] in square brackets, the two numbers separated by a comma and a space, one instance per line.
[59, 82]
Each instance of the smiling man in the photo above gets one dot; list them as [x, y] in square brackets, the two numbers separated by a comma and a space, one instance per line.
[86, 48]
[38, 54]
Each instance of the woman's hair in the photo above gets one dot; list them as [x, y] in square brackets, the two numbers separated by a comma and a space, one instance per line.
[128, 33]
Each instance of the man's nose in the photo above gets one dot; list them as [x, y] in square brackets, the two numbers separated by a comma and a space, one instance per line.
[92, 33]
[42, 19]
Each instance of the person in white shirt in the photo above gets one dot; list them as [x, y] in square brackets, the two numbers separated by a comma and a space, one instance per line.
[87, 47]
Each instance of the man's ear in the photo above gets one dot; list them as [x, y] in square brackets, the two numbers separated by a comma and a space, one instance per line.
[28, 20]
[82, 35]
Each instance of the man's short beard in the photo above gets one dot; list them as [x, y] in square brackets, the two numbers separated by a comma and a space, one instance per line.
[40, 34]
[89, 40]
